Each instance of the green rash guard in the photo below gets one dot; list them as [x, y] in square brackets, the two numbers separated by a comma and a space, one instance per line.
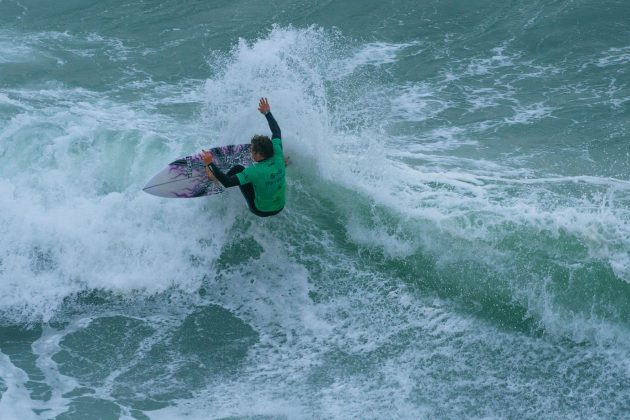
[268, 179]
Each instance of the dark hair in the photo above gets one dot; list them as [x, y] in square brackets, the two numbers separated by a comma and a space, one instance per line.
[262, 145]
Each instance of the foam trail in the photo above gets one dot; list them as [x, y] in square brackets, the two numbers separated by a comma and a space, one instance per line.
[45, 347]
[15, 401]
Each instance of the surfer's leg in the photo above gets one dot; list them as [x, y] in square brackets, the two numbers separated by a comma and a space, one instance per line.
[250, 195]
[247, 190]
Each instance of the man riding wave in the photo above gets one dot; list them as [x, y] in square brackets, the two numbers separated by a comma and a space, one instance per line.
[263, 183]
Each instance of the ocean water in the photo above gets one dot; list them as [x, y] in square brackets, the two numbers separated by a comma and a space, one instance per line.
[456, 240]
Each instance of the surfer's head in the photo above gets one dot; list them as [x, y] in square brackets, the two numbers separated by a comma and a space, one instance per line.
[262, 148]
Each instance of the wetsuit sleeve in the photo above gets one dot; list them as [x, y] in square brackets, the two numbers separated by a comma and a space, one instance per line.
[226, 181]
[273, 125]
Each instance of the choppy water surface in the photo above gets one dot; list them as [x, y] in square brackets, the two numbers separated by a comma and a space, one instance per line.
[455, 242]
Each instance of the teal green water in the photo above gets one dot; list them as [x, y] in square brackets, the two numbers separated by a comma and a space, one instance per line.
[454, 245]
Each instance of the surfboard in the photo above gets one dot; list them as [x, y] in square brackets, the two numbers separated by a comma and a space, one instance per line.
[186, 177]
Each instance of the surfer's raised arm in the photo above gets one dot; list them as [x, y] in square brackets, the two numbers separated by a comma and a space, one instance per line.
[264, 108]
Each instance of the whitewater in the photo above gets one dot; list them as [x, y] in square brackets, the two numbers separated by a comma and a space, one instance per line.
[455, 242]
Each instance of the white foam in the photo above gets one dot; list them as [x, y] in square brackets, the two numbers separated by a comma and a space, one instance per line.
[78, 219]
[374, 54]
[14, 51]
[15, 401]
[391, 243]
[498, 60]
[529, 114]
[417, 102]
[486, 97]
[614, 57]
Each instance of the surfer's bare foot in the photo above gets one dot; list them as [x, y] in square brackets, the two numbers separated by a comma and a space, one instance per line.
[287, 160]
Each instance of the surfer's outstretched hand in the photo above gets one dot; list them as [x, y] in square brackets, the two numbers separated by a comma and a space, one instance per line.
[263, 106]
[206, 156]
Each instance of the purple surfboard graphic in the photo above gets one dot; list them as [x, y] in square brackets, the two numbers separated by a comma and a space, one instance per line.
[187, 178]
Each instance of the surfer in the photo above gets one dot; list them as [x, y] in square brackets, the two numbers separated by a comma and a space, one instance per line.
[262, 183]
